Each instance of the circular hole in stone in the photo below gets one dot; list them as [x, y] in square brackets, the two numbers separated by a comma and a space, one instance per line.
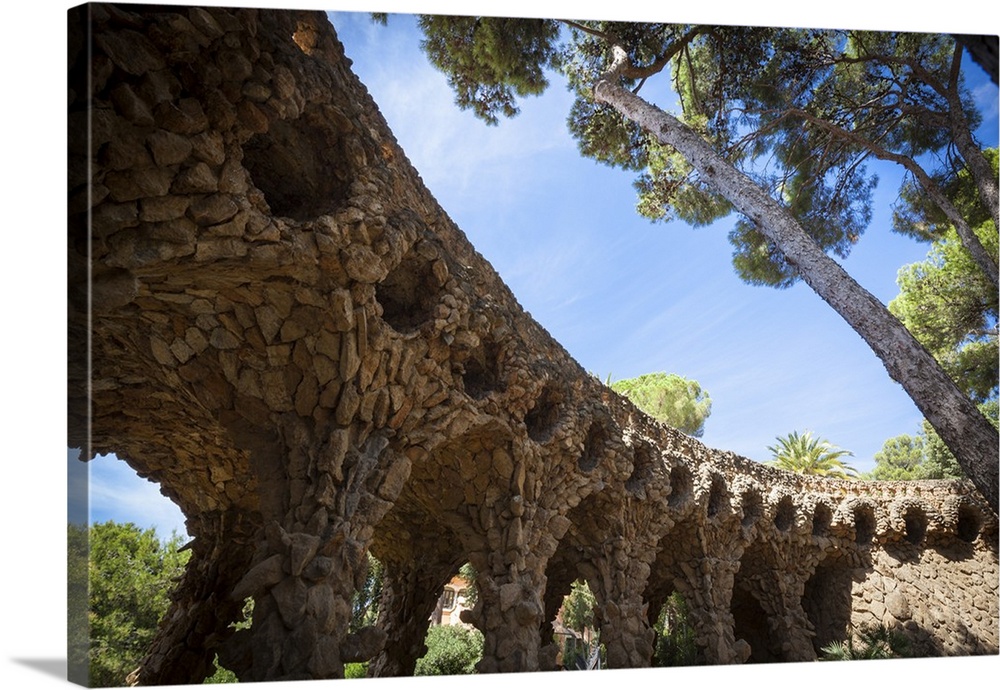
[593, 447]
[300, 167]
[753, 508]
[408, 294]
[718, 496]
[643, 460]
[864, 524]
[482, 375]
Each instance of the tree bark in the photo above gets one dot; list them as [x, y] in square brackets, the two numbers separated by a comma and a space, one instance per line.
[966, 432]
[971, 152]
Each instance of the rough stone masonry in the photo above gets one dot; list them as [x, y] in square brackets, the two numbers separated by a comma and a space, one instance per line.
[293, 339]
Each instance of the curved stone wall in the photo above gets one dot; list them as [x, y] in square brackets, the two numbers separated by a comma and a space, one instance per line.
[291, 336]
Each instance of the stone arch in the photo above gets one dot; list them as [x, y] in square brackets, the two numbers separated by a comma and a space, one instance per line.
[482, 374]
[753, 507]
[718, 497]
[676, 549]
[969, 522]
[681, 486]
[826, 601]
[758, 605]
[915, 524]
[822, 519]
[594, 446]
[864, 524]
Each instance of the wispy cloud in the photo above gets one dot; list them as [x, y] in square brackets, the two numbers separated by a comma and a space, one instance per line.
[451, 148]
[118, 493]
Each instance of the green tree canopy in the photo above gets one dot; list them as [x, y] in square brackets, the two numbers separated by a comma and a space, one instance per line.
[946, 301]
[131, 573]
[805, 454]
[924, 456]
[578, 608]
[365, 604]
[779, 124]
[669, 398]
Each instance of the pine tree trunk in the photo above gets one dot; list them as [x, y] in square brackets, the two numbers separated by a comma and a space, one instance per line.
[966, 432]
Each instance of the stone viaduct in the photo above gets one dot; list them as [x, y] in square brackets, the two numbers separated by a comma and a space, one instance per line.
[271, 317]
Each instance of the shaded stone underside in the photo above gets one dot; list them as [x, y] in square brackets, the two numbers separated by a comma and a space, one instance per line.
[293, 339]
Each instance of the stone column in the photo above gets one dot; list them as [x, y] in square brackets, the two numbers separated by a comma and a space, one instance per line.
[622, 610]
[709, 592]
[511, 604]
[309, 565]
[509, 614]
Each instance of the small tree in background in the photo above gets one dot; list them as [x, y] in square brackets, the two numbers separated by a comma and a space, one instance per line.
[804, 454]
[924, 456]
[674, 400]
[451, 650]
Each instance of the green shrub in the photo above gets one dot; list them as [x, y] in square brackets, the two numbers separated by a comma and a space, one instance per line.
[451, 650]
[356, 670]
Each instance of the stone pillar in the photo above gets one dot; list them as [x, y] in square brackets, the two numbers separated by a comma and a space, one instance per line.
[626, 634]
[709, 592]
[622, 610]
[511, 605]
[509, 614]
[309, 565]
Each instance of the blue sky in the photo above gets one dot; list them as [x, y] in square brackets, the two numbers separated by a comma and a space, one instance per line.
[623, 295]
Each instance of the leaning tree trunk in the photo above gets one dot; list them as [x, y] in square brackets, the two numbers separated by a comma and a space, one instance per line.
[963, 428]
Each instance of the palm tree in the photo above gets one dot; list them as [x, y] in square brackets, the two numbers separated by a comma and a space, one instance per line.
[804, 454]
[873, 642]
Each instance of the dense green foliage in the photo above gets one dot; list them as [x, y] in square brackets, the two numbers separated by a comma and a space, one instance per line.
[365, 604]
[471, 592]
[130, 576]
[870, 642]
[805, 454]
[451, 650]
[578, 608]
[795, 113]
[490, 61]
[669, 398]
[356, 670]
[675, 636]
[947, 302]
[923, 456]
[77, 623]
[801, 111]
